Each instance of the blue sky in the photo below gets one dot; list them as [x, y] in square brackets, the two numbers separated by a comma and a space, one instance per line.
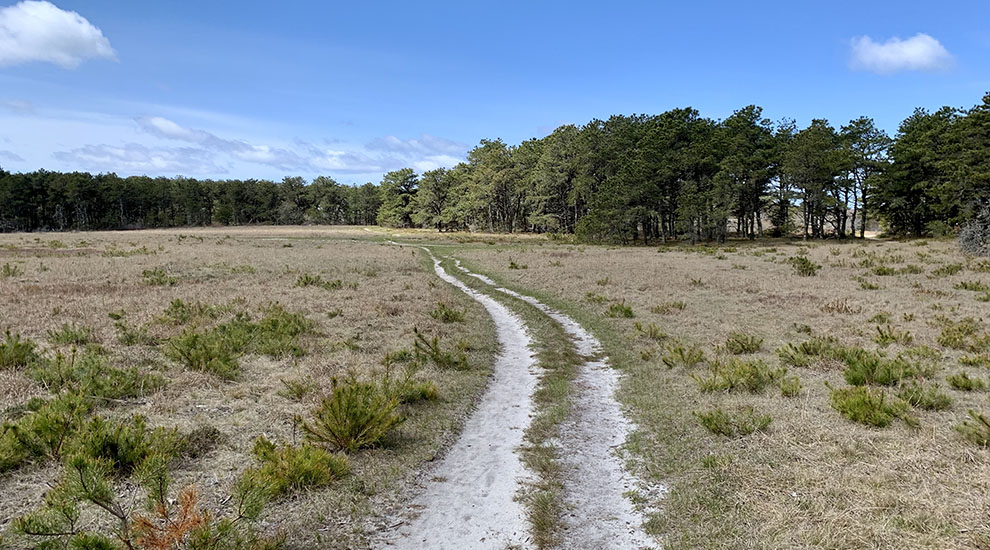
[350, 90]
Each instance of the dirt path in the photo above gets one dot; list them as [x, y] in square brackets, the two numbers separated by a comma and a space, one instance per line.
[600, 515]
[470, 501]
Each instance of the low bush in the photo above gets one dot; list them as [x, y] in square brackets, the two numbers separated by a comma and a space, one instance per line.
[430, 349]
[743, 422]
[306, 279]
[620, 309]
[447, 314]
[680, 355]
[15, 352]
[180, 312]
[976, 429]
[91, 375]
[867, 367]
[924, 397]
[962, 382]
[870, 406]
[790, 386]
[9, 270]
[803, 266]
[668, 307]
[288, 469]
[70, 334]
[129, 335]
[737, 375]
[803, 354]
[652, 331]
[887, 335]
[123, 445]
[204, 351]
[356, 415]
[44, 431]
[158, 277]
[740, 344]
[947, 270]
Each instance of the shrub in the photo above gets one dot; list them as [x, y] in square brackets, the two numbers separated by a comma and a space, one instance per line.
[866, 367]
[883, 271]
[129, 335]
[594, 298]
[840, 306]
[887, 335]
[620, 309]
[208, 352]
[431, 350]
[92, 376]
[158, 277]
[870, 406]
[744, 422]
[356, 415]
[739, 343]
[652, 331]
[297, 389]
[306, 279]
[44, 431]
[681, 356]
[8, 270]
[925, 397]
[87, 489]
[277, 333]
[790, 386]
[958, 335]
[738, 375]
[803, 266]
[71, 334]
[947, 270]
[973, 286]
[976, 360]
[975, 429]
[962, 382]
[447, 314]
[974, 237]
[123, 445]
[668, 307]
[16, 352]
[802, 354]
[288, 469]
[179, 312]
[514, 265]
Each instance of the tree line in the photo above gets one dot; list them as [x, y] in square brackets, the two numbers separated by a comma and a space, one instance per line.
[78, 201]
[638, 178]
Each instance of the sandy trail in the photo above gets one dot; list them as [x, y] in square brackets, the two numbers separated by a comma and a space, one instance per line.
[600, 515]
[470, 501]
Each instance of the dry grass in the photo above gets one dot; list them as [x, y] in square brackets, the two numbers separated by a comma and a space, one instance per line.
[387, 292]
[813, 479]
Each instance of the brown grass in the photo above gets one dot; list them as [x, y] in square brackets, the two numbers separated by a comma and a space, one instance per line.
[814, 479]
[395, 292]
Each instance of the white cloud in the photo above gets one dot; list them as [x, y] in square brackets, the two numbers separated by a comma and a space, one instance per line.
[921, 52]
[40, 31]
[380, 155]
[21, 106]
[425, 144]
[134, 158]
[10, 155]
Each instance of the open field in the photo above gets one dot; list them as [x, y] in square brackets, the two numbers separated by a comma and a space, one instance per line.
[811, 478]
[784, 394]
[58, 290]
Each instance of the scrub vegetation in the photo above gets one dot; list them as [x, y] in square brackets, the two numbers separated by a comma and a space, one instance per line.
[782, 410]
[221, 389]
